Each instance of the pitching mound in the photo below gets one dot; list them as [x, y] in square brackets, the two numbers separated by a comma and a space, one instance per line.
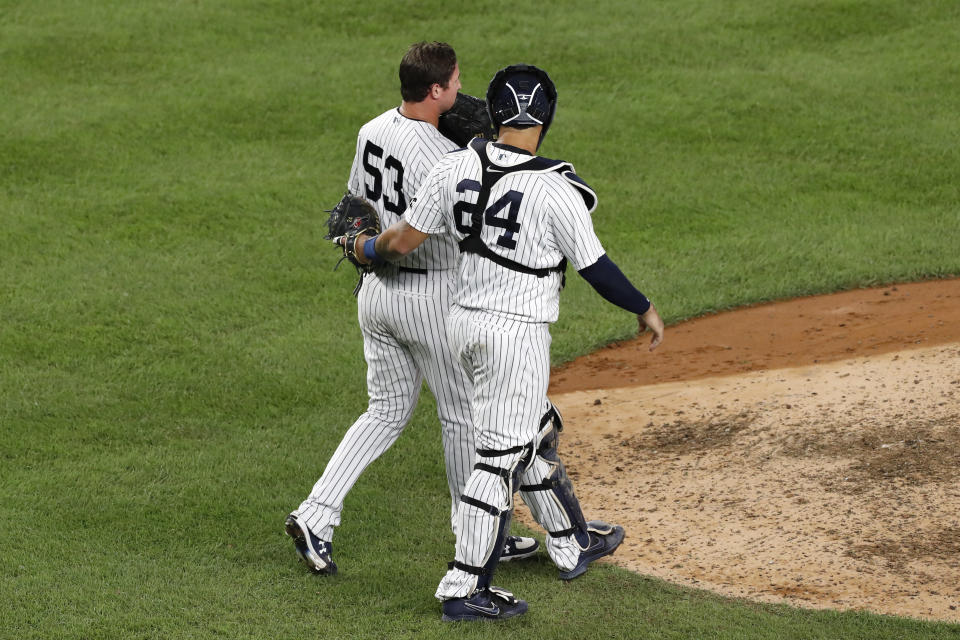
[804, 452]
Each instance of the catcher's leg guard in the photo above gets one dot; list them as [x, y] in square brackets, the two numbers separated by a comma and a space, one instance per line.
[548, 492]
[483, 520]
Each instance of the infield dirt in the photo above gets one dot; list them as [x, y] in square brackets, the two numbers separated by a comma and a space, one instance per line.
[805, 451]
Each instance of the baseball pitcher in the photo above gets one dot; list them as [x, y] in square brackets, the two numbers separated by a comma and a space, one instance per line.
[401, 307]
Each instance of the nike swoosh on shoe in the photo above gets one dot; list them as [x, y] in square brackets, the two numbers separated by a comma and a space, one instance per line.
[489, 611]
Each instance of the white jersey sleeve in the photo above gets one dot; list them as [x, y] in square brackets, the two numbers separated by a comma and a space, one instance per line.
[428, 211]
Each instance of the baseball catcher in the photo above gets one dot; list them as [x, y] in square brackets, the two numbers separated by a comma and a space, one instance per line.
[466, 120]
[538, 221]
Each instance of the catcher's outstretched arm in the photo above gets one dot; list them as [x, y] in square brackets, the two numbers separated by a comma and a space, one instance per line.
[391, 245]
[398, 240]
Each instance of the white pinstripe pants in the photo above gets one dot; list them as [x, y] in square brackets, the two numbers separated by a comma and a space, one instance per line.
[508, 363]
[402, 316]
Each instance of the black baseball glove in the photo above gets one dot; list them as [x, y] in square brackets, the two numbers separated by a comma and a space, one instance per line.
[466, 120]
[351, 217]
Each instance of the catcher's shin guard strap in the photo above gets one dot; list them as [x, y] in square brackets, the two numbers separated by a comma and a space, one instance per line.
[494, 453]
[564, 533]
[479, 504]
[497, 471]
[552, 414]
[547, 485]
[477, 571]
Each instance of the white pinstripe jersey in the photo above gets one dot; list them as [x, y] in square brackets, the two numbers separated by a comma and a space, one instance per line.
[533, 218]
[394, 155]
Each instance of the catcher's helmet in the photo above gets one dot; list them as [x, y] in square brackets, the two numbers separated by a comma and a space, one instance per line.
[522, 96]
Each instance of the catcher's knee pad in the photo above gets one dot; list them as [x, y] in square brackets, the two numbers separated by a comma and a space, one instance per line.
[484, 517]
[546, 488]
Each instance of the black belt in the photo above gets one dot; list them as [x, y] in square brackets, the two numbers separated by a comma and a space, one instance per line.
[422, 272]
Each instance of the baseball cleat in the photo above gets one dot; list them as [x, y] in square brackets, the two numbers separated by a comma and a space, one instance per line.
[490, 603]
[518, 548]
[314, 552]
[604, 539]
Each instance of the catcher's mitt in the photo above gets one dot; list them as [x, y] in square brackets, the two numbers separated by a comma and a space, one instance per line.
[466, 120]
[351, 217]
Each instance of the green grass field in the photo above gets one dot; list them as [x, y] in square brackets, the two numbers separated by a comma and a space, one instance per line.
[178, 360]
